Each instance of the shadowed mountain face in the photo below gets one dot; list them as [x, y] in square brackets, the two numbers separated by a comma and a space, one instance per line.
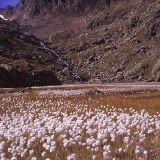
[103, 40]
[23, 63]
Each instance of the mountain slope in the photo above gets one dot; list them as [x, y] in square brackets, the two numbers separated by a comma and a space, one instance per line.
[124, 48]
[22, 61]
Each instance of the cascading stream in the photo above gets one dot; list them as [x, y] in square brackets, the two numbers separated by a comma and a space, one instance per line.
[65, 64]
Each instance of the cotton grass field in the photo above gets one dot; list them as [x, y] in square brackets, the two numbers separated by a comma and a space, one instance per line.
[70, 124]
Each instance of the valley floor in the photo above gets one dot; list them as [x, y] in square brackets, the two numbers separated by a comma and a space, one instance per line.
[112, 87]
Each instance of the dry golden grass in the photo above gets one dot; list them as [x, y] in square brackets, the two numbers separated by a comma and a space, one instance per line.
[148, 101]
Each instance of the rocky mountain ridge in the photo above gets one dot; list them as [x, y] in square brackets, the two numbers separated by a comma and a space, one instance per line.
[43, 17]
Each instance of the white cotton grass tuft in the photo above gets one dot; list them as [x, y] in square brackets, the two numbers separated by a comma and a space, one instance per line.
[71, 157]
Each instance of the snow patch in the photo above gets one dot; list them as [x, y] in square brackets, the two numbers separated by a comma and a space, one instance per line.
[3, 18]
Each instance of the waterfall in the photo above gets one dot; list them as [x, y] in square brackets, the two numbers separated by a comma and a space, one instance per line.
[65, 64]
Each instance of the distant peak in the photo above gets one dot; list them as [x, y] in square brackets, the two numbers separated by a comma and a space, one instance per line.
[5, 3]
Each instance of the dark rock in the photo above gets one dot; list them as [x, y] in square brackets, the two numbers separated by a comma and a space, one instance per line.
[94, 91]
[134, 22]
[82, 47]
[23, 61]
[98, 41]
[46, 78]
[153, 30]
[92, 58]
